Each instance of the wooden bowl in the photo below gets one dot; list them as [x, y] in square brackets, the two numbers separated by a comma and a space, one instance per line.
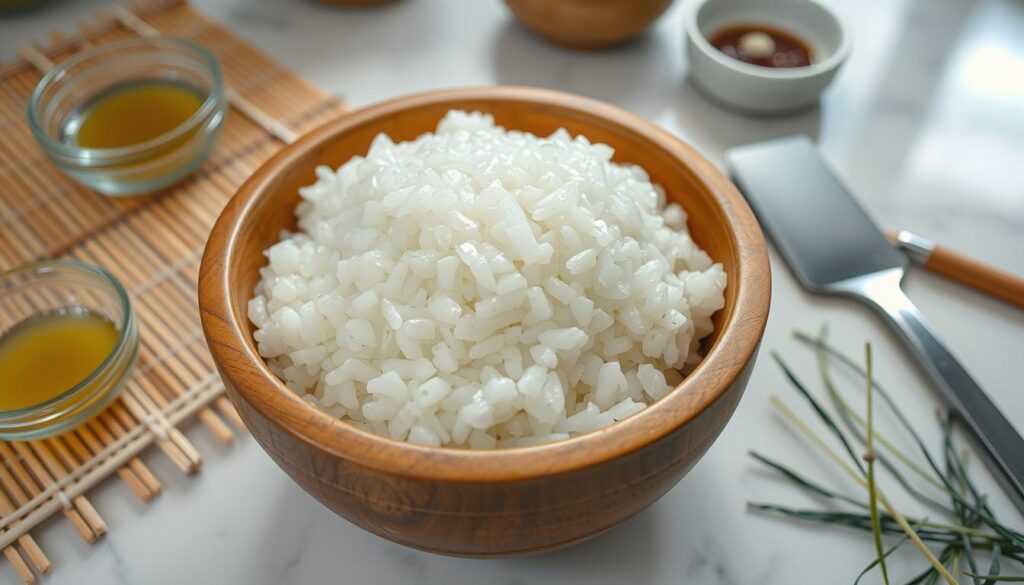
[503, 502]
[357, 3]
[588, 24]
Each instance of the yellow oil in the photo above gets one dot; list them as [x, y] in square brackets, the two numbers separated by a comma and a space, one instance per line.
[135, 113]
[46, 355]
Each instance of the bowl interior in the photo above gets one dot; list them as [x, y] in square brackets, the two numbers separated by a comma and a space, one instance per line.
[719, 221]
[805, 18]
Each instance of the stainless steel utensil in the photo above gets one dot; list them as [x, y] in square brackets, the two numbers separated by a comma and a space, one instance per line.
[834, 248]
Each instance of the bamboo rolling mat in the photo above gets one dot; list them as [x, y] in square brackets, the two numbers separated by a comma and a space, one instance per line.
[153, 244]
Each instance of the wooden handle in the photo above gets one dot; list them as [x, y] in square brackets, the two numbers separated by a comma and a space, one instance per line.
[986, 279]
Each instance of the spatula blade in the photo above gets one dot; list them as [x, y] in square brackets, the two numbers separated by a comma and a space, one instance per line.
[820, 229]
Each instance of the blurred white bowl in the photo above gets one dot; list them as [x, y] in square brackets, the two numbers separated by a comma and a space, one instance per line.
[756, 89]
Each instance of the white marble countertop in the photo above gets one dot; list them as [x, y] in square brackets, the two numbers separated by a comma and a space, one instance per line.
[926, 125]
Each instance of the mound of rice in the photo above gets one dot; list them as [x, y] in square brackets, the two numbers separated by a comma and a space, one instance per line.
[479, 287]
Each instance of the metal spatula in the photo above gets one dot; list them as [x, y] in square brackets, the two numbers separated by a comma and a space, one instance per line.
[834, 248]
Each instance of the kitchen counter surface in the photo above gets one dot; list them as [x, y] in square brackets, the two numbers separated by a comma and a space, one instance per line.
[925, 124]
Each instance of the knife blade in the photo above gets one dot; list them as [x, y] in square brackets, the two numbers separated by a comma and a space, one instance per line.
[833, 247]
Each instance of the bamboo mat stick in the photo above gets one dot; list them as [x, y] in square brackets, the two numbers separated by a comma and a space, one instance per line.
[82, 453]
[11, 488]
[97, 431]
[167, 436]
[163, 440]
[121, 417]
[57, 37]
[135, 464]
[144, 474]
[208, 418]
[175, 453]
[122, 420]
[34, 553]
[135, 471]
[190, 235]
[24, 480]
[28, 544]
[179, 237]
[110, 436]
[35, 57]
[62, 451]
[114, 426]
[19, 565]
[229, 410]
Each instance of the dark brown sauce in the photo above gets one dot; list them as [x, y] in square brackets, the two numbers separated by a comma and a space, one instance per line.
[788, 50]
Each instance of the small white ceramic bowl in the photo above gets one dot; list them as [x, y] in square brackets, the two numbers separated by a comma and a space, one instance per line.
[764, 90]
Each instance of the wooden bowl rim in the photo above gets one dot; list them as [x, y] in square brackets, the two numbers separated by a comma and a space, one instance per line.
[239, 362]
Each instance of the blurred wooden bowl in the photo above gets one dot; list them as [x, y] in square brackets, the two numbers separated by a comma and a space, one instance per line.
[588, 24]
[356, 2]
[503, 502]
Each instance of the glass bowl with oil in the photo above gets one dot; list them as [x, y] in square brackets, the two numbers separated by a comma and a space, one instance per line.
[68, 343]
[130, 116]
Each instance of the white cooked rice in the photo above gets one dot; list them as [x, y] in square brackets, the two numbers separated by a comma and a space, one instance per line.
[482, 288]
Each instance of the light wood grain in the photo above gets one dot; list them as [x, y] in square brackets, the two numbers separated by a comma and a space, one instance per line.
[588, 24]
[513, 501]
[981, 277]
[960, 268]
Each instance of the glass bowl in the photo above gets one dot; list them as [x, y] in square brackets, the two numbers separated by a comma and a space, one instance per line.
[139, 168]
[68, 285]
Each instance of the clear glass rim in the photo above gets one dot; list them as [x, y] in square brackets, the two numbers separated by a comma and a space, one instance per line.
[212, 102]
[127, 327]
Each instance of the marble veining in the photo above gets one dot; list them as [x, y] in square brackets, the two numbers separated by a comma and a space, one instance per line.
[925, 125]
[708, 564]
